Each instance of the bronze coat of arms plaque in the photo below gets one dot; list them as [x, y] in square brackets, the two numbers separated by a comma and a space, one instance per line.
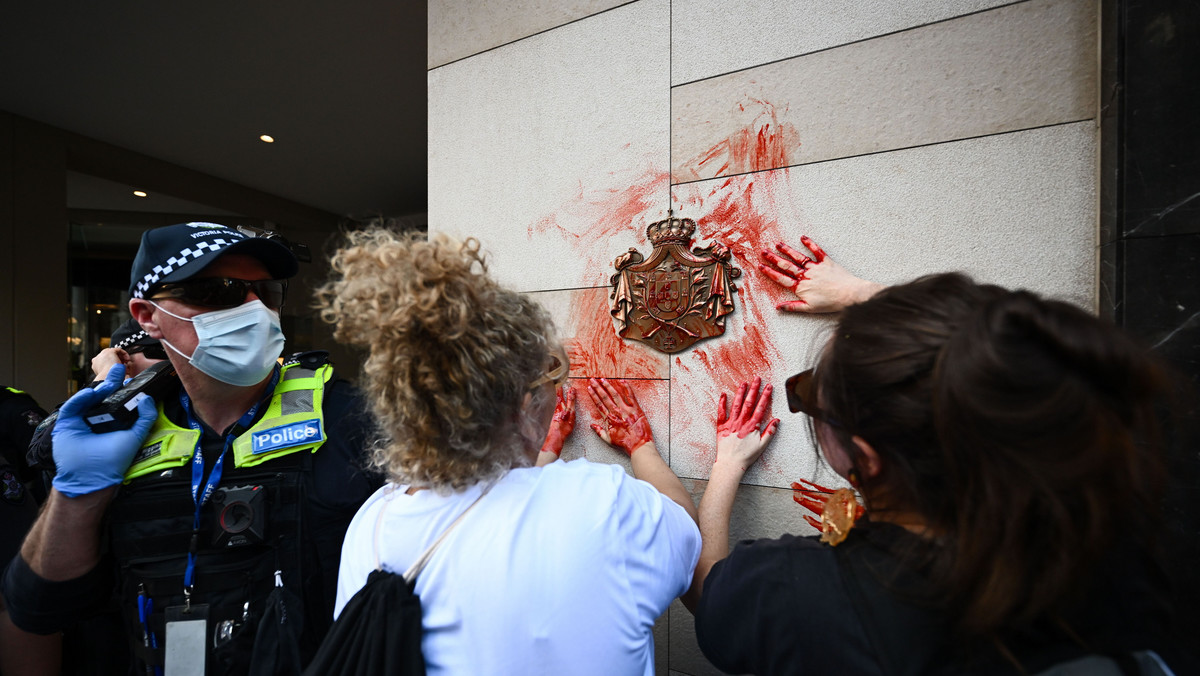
[676, 297]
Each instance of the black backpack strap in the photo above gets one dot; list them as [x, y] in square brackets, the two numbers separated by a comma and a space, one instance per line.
[415, 569]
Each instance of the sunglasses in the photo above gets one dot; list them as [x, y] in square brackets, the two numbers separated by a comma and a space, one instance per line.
[223, 292]
[156, 351]
[801, 392]
[557, 372]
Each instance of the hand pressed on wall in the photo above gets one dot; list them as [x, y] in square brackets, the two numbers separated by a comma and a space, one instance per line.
[740, 443]
[624, 423]
[563, 422]
[820, 284]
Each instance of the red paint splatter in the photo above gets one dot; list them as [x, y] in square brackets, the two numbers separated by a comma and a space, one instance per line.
[596, 350]
[741, 212]
[737, 362]
[607, 215]
[762, 144]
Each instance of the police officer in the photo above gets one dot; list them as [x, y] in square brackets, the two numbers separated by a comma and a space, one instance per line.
[19, 487]
[227, 500]
[132, 346]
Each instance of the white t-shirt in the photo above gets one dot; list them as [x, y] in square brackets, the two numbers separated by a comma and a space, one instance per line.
[558, 570]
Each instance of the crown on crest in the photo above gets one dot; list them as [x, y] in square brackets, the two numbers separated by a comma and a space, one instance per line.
[671, 230]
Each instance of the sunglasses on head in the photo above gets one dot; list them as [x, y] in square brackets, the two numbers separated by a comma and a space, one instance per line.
[223, 292]
[156, 351]
[557, 371]
[801, 392]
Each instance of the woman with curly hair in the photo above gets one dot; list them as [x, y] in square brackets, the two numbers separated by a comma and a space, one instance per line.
[1005, 449]
[559, 567]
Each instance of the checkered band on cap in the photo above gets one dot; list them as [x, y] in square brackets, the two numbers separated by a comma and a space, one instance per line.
[178, 261]
[131, 339]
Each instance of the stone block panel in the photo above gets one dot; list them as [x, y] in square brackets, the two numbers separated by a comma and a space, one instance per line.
[593, 346]
[460, 29]
[553, 151]
[708, 39]
[1021, 66]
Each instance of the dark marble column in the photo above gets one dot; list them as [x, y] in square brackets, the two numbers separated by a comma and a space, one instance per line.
[1150, 229]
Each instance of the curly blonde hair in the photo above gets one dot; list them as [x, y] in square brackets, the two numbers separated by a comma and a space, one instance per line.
[451, 355]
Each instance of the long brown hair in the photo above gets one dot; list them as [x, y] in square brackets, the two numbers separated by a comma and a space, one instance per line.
[1022, 431]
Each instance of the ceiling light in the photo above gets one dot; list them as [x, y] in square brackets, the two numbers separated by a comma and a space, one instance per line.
[266, 139]
[139, 193]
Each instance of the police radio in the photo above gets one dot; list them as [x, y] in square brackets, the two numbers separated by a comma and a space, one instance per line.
[118, 411]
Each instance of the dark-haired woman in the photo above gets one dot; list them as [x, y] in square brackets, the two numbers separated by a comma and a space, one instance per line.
[1005, 450]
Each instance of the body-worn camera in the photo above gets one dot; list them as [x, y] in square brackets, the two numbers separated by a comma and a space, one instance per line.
[241, 516]
[118, 411]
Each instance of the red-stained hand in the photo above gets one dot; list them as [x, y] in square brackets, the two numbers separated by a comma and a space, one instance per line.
[739, 440]
[563, 421]
[625, 425]
[820, 284]
[838, 509]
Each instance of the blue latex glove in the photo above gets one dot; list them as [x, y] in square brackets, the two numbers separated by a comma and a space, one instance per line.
[86, 461]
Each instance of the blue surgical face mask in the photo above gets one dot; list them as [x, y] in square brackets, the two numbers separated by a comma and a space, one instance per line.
[238, 346]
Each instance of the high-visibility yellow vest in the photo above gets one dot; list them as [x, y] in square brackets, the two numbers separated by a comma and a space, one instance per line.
[293, 422]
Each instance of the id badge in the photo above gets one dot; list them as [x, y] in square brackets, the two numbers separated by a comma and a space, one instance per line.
[187, 630]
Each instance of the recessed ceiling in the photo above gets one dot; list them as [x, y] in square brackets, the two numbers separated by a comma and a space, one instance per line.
[340, 86]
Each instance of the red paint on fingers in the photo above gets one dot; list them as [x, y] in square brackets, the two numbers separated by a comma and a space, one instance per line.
[785, 280]
[623, 422]
[818, 252]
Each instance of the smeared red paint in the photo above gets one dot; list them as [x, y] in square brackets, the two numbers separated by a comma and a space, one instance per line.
[596, 350]
[563, 421]
[596, 219]
[741, 212]
[605, 216]
[762, 144]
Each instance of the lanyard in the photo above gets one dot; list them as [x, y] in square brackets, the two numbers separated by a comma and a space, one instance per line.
[199, 497]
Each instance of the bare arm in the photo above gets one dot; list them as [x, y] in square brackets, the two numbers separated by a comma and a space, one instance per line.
[739, 445]
[650, 467]
[820, 284]
[64, 542]
[625, 426]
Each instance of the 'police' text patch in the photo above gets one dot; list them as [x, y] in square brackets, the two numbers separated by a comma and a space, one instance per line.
[296, 434]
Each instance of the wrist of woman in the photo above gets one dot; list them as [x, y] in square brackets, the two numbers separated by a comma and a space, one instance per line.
[725, 467]
[861, 292]
[642, 449]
